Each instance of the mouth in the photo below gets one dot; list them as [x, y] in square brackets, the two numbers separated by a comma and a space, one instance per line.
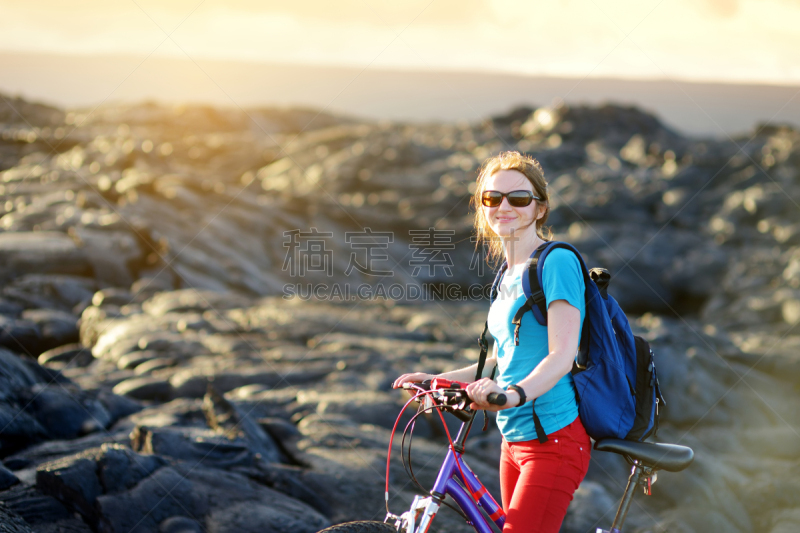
[504, 219]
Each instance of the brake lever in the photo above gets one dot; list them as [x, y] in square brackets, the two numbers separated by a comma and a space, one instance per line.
[457, 399]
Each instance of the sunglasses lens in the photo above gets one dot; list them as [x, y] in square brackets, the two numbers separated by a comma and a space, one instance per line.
[520, 198]
[491, 198]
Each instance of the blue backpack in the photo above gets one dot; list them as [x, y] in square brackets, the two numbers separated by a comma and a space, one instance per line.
[614, 372]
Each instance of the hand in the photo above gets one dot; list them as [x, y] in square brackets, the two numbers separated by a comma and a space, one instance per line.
[416, 377]
[480, 390]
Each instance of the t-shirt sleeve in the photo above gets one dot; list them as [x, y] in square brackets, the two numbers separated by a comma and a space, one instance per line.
[562, 278]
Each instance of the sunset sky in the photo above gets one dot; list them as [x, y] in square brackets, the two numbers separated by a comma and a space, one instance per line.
[703, 40]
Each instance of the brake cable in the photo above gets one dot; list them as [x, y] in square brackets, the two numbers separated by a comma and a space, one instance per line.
[410, 469]
[449, 439]
[391, 440]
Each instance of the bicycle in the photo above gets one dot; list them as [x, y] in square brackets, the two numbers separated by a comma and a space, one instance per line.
[456, 479]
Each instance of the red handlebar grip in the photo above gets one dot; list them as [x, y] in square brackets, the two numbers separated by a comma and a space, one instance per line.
[441, 383]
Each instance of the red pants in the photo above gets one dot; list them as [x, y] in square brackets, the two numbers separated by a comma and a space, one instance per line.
[538, 480]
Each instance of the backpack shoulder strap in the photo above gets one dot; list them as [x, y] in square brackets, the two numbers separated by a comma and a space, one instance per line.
[498, 278]
[484, 344]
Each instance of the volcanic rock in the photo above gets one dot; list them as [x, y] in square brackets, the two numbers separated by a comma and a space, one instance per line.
[204, 265]
[40, 252]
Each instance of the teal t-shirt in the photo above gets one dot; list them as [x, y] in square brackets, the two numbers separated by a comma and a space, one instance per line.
[562, 279]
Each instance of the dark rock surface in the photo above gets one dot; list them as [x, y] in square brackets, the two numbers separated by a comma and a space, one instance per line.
[7, 478]
[10, 522]
[116, 489]
[154, 378]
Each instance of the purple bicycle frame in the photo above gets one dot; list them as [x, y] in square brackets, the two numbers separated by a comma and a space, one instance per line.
[446, 484]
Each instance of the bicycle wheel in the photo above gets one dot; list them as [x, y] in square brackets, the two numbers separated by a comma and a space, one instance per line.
[361, 527]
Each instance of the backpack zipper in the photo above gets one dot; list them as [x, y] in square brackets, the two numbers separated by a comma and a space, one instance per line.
[659, 396]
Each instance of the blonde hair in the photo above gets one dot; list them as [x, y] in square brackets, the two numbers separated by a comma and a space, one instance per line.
[532, 170]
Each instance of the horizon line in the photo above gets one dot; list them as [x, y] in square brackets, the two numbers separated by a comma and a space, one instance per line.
[400, 69]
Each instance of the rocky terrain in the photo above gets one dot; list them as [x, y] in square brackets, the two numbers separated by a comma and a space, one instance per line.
[155, 375]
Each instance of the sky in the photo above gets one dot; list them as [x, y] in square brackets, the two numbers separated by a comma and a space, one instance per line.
[693, 40]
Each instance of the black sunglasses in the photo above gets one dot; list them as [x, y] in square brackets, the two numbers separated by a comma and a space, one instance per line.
[515, 198]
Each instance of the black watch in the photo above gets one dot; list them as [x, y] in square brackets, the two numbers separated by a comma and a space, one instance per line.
[518, 390]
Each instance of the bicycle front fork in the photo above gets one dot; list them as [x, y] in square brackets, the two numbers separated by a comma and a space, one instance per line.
[418, 518]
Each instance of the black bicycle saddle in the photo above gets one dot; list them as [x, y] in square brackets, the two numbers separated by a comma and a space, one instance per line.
[669, 457]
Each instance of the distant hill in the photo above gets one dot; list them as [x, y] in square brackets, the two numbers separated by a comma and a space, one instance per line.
[698, 109]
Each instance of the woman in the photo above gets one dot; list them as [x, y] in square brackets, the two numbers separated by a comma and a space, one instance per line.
[537, 479]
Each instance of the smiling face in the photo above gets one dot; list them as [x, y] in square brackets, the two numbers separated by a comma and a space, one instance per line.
[506, 220]
[507, 172]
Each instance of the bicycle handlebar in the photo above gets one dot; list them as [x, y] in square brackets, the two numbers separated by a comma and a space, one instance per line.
[494, 398]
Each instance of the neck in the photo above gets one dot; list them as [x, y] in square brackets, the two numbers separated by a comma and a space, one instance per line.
[519, 247]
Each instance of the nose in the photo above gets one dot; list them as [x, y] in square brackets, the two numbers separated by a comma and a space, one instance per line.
[504, 203]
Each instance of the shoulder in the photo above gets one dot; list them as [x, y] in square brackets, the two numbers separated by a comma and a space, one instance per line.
[560, 259]
[562, 267]
[562, 277]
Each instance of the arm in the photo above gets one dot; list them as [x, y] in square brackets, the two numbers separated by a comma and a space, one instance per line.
[563, 344]
[466, 375]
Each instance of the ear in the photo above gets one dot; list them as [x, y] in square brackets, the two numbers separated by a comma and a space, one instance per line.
[541, 209]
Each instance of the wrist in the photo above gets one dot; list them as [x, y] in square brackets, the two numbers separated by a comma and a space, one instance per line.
[519, 392]
[513, 398]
